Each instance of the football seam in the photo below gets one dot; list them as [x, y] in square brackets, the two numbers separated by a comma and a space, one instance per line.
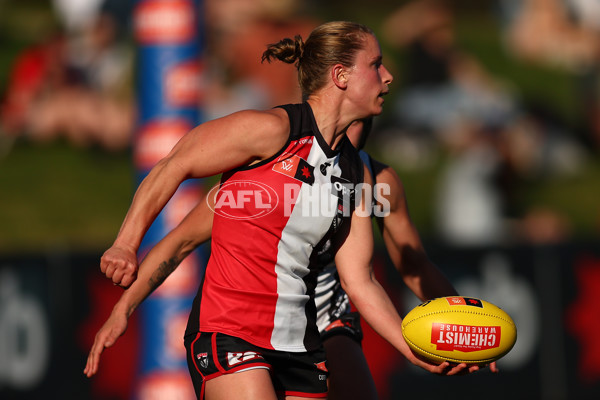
[463, 312]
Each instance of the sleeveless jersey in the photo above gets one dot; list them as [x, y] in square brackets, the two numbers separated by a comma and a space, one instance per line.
[331, 300]
[272, 221]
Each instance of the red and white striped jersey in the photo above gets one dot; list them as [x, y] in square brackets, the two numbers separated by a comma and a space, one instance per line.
[271, 223]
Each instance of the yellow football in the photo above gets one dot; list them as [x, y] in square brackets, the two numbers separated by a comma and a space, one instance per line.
[459, 330]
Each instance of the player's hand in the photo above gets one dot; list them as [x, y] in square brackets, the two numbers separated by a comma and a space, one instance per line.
[446, 368]
[440, 369]
[465, 369]
[113, 328]
[120, 265]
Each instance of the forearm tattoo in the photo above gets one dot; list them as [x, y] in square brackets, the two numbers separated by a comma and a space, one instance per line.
[162, 272]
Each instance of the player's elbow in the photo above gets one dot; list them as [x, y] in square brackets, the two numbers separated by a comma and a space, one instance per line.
[175, 165]
[188, 246]
[355, 286]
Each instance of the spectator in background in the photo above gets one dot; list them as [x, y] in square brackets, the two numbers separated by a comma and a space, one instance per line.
[495, 144]
[449, 97]
[36, 69]
[562, 34]
[76, 14]
[443, 85]
[545, 31]
[237, 31]
[76, 87]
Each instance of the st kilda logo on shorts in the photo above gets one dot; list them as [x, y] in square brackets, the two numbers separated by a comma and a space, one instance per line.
[202, 359]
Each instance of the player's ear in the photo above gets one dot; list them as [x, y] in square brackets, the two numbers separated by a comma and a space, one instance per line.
[339, 75]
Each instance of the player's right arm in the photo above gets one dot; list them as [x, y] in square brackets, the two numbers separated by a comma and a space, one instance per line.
[403, 242]
[209, 149]
[159, 263]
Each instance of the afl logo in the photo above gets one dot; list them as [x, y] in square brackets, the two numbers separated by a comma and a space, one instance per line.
[242, 199]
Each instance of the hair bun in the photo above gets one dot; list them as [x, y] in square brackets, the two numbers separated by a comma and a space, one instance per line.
[299, 43]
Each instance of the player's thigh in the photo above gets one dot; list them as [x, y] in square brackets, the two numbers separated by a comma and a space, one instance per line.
[254, 384]
[349, 374]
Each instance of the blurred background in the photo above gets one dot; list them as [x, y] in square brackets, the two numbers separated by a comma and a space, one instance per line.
[492, 122]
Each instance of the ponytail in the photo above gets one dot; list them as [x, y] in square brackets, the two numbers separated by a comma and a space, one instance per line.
[287, 50]
[327, 45]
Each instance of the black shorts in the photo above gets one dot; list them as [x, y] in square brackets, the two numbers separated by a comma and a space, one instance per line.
[210, 355]
[347, 324]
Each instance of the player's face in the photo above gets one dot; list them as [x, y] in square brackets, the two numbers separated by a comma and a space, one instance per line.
[368, 79]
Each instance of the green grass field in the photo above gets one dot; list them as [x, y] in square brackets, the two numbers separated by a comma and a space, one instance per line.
[57, 195]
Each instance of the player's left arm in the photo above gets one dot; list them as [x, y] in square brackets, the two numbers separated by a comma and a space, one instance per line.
[353, 260]
[404, 245]
[403, 242]
[158, 264]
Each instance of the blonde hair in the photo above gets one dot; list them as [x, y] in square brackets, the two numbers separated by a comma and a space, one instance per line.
[328, 44]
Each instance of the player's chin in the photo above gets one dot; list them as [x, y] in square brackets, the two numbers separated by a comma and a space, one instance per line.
[378, 109]
[379, 104]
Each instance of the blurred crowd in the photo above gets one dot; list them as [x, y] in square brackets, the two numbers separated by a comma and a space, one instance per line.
[496, 143]
[77, 84]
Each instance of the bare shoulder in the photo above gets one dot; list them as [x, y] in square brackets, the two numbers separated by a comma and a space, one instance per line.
[388, 177]
[385, 174]
[266, 131]
[221, 144]
[275, 118]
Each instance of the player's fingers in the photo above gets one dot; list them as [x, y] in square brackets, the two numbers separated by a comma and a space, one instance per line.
[427, 365]
[93, 360]
[109, 270]
[117, 277]
[103, 265]
[437, 369]
[102, 340]
[126, 280]
[106, 262]
[459, 369]
[91, 366]
[473, 368]
[129, 273]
